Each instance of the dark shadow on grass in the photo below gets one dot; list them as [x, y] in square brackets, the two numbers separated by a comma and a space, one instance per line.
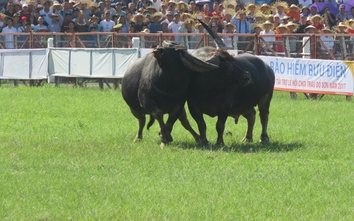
[238, 147]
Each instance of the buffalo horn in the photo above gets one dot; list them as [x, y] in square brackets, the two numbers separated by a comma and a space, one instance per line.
[216, 37]
[195, 64]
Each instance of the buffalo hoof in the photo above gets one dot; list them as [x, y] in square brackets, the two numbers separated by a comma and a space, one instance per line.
[247, 140]
[203, 142]
[264, 138]
[227, 132]
[137, 139]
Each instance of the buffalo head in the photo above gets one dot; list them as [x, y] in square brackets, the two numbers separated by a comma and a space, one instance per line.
[170, 53]
[220, 57]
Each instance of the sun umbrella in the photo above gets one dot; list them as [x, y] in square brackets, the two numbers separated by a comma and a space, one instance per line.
[322, 5]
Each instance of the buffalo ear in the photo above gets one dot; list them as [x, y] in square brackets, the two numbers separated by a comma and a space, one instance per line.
[196, 64]
[157, 53]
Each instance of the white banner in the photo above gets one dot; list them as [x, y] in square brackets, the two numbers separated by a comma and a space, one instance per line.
[312, 75]
[23, 64]
[90, 63]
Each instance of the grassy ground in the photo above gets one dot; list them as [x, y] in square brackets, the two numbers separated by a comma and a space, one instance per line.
[67, 154]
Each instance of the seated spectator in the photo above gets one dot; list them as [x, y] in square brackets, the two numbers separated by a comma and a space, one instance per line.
[25, 13]
[279, 45]
[316, 21]
[81, 24]
[265, 9]
[294, 11]
[155, 26]
[303, 24]
[16, 21]
[41, 26]
[119, 10]
[267, 30]
[251, 10]
[328, 41]
[305, 11]
[10, 9]
[279, 8]
[139, 24]
[123, 21]
[313, 11]
[229, 40]
[342, 15]
[329, 18]
[93, 23]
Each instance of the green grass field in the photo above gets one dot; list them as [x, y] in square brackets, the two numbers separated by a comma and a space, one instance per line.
[67, 154]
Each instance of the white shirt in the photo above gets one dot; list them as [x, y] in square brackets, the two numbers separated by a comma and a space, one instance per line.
[46, 16]
[328, 41]
[268, 40]
[107, 25]
[174, 28]
[9, 39]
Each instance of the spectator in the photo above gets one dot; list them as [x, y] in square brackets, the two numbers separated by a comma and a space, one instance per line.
[169, 18]
[316, 21]
[46, 12]
[163, 8]
[305, 11]
[107, 24]
[91, 39]
[122, 20]
[279, 45]
[227, 18]
[329, 17]
[109, 7]
[313, 11]
[23, 22]
[10, 9]
[206, 10]
[294, 11]
[93, 23]
[41, 26]
[76, 13]
[342, 15]
[81, 24]
[65, 9]
[265, 9]
[9, 39]
[242, 26]
[131, 8]
[216, 9]
[351, 15]
[16, 21]
[175, 25]
[193, 7]
[328, 41]
[139, 24]
[267, 30]
[155, 26]
[292, 27]
[182, 7]
[171, 6]
[93, 8]
[119, 10]
[280, 8]
[55, 23]
[143, 4]
[251, 10]
[71, 27]
[25, 13]
[157, 5]
[100, 11]
[188, 27]
[229, 40]
[66, 21]
[303, 24]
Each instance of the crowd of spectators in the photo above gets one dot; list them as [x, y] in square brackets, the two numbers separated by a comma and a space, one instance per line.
[155, 16]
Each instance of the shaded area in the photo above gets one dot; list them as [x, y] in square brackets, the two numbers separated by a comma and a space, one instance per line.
[239, 147]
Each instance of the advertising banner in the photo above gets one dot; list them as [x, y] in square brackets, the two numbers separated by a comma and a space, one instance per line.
[312, 75]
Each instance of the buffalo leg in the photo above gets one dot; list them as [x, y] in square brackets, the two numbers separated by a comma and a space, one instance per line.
[141, 119]
[251, 118]
[165, 131]
[220, 127]
[264, 113]
[199, 119]
[185, 123]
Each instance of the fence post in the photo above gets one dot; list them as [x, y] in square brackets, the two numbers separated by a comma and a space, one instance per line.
[313, 46]
[256, 44]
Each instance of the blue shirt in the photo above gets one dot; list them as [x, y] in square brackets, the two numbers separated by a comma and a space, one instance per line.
[154, 28]
[241, 27]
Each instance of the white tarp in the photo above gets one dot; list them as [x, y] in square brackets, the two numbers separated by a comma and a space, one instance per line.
[90, 63]
[23, 64]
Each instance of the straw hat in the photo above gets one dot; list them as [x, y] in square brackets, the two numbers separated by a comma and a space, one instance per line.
[57, 4]
[158, 14]
[229, 2]
[172, 2]
[265, 6]
[310, 27]
[45, 1]
[326, 30]
[281, 26]
[17, 3]
[340, 25]
[94, 4]
[314, 17]
[280, 4]
[258, 15]
[292, 24]
[138, 15]
[250, 5]
[230, 11]
[230, 24]
[349, 23]
[182, 4]
[31, 2]
[267, 23]
[255, 25]
[197, 25]
[294, 6]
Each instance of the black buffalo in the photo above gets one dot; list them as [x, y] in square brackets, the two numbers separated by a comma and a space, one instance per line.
[158, 84]
[214, 95]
